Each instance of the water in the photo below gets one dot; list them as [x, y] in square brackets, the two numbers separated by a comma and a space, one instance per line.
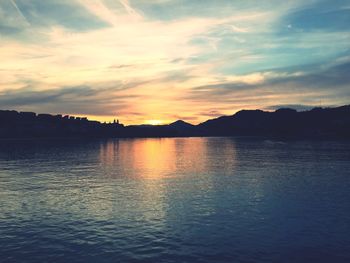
[174, 200]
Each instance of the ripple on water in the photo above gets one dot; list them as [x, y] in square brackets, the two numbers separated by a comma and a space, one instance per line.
[175, 200]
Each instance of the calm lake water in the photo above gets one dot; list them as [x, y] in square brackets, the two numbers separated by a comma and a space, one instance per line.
[174, 200]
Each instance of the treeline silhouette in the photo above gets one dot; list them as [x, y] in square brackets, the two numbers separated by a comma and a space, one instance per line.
[284, 122]
[15, 124]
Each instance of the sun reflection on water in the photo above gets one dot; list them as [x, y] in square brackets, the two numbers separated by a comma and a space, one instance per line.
[163, 157]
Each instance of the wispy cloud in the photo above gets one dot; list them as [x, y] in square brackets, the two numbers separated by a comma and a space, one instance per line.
[318, 87]
[76, 100]
[19, 12]
[152, 59]
[298, 107]
[131, 11]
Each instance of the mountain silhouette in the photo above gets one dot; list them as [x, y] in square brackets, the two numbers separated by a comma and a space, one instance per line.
[284, 122]
[183, 128]
[180, 124]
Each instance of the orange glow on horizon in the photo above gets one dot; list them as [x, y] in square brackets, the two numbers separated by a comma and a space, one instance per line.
[154, 122]
[125, 120]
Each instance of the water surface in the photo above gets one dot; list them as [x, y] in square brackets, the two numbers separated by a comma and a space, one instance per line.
[174, 200]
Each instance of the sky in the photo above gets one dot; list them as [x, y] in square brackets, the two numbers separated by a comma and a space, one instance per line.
[157, 61]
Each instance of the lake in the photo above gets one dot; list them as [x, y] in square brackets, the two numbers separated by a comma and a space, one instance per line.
[174, 200]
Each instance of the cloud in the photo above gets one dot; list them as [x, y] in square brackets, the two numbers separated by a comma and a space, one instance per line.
[239, 29]
[320, 15]
[68, 100]
[131, 11]
[12, 21]
[211, 113]
[19, 12]
[297, 107]
[155, 59]
[318, 87]
[66, 13]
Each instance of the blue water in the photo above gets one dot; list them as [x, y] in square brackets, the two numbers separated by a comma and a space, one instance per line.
[174, 200]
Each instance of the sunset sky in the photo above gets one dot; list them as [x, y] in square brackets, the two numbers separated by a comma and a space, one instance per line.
[148, 61]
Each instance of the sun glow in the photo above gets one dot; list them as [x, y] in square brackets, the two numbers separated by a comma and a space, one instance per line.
[154, 122]
[155, 62]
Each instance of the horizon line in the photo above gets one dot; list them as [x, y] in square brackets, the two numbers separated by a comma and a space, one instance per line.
[117, 119]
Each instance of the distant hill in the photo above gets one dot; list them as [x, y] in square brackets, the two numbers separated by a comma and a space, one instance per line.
[180, 124]
[318, 122]
[184, 128]
[284, 122]
[178, 128]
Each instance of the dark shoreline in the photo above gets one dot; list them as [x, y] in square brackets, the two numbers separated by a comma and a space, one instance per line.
[91, 138]
[318, 123]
